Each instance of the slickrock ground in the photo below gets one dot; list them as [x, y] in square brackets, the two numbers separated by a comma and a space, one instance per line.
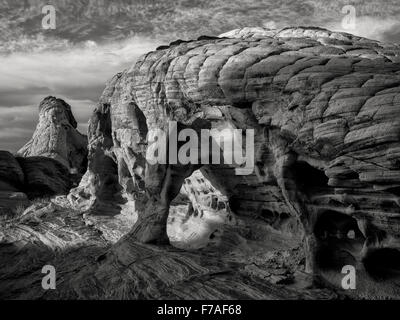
[324, 192]
[92, 264]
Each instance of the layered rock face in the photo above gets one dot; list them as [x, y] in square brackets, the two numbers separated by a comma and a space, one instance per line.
[99, 189]
[323, 106]
[201, 220]
[51, 163]
[56, 136]
[32, 177]
[45, 177]
[11, 182]
[11, 174]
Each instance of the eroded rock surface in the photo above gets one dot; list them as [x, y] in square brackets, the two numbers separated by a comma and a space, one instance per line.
[323, 194]
[94, 261]
[323, 106]
[11, 174]
[45, 177]
[50, 164]
[201, 220]
[56, 136]
[99, 191]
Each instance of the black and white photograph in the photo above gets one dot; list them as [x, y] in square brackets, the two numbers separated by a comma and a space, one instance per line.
[199, 150]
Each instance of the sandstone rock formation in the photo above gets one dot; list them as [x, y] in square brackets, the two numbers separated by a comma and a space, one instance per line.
[11, 174]
[99, 189]
[51, 163]
[36, 177]
[94, 261]
[324, 192]
[11, 182]
[323, 106]
[56, 136]
[45, 177]
[203, 217]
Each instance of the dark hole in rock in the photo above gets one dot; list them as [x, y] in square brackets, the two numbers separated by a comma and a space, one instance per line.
[214, 202]
[395, 191]
[334, 202]
[234, 203]
[328, 258]
[387, 204]
[352, 176]
[190, 209]
[189, 213]
[140, 182]
[308, 178]
[140, 121]
[101, 258]
[214, 234]
[339, 240]
[268, 215]
[243, 104]
[331, 224]
[110, 189]
[383, 264]
[83, 169]
[221, 205]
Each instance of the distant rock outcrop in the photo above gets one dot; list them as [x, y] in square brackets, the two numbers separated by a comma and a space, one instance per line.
[56, 136]
[51, 163]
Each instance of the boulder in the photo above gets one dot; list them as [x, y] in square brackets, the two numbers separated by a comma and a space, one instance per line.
[45, 177]
[11, 184]
[11, 173]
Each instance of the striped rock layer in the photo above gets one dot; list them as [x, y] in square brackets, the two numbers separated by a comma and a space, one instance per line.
[325, 108]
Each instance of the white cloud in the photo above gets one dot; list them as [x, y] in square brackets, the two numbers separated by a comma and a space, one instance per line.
[76, 74]
[76, 67]
[377, 28]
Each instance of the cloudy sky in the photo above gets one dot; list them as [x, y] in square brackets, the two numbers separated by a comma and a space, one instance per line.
[94, 39]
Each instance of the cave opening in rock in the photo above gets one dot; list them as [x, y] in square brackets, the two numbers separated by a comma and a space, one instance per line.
[139, 121]
[383, 264]
[110, 188]
[309, 179]
[339, 240]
